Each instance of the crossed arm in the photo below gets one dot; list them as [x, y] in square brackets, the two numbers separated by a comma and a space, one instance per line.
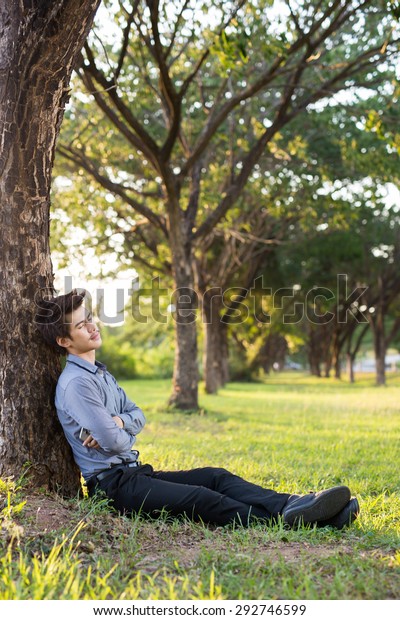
[112, 433]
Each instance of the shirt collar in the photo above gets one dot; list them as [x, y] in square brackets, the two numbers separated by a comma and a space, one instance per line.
[78, 361]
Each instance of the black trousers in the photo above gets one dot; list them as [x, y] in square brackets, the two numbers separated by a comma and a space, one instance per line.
[208, 494]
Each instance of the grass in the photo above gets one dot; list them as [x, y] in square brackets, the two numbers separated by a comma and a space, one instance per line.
[292, 433]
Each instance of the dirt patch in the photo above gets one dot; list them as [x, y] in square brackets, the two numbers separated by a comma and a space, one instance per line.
[44, 514]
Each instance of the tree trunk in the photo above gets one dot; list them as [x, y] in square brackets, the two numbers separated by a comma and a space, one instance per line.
[224, 355]
[215, 357]
[329, 336]
[335, 352]
[315, 368]
[350, 366]
[352, 352]
[337, 366]
[314, 352]
[39, 43]
[380, 355]
[186, 373]
[328, 366]
[377, 324]
[185, 378]
[272, 354]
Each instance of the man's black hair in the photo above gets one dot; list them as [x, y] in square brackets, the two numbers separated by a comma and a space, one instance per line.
[52, 317]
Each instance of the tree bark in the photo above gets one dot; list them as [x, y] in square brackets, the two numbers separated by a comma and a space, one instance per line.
[314, 349]
[350, 366]
[352, 351]
[328, 365]
[337, 367]
[335, 350]
[380, 354]
[215, 357]
[185, 379]
[377, 324]
[38, 46]
[272, 353]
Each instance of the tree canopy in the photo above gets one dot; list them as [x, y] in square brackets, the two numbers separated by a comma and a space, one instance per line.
[184, 120]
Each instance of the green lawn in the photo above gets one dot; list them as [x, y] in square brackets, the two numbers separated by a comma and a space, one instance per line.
[292, 433]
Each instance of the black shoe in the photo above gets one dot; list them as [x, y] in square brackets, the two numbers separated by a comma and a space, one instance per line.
[314, 507]
[345, 517]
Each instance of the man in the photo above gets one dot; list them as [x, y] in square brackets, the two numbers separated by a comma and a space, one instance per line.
[101, 425]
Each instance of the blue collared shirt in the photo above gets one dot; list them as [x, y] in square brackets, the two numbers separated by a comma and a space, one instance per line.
[88, 396]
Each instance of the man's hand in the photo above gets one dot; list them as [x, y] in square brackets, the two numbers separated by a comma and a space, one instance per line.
[118, 421]
[90, 442]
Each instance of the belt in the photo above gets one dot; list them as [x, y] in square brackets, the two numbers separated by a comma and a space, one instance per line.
[107, 472]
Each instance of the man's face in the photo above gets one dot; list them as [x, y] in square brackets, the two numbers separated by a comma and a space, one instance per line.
[84, 335]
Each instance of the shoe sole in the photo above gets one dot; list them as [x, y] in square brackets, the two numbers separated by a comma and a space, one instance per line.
[345, 517]
[320, 507]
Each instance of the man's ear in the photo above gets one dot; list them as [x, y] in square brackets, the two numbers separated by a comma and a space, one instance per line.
[62, 341]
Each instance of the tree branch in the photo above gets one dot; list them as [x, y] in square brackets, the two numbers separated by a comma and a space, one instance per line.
[193, 205]
[349, 70]
[132, 137]
[331, 86]
[175, 31]
[81, 160]
[151, 245]
[251, 159]
[142, 261]
[168, 91]
[216, 118]
[148, 145]
[206, 53]
[236, 187]
[125, 41]
[359, 340]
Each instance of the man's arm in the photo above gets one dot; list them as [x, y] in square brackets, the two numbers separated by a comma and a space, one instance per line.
[84, 404]
[131, 415]
[90, 442]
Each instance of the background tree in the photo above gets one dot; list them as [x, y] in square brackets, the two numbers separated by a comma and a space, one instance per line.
[382, 253]
[181, 77]
[225, 271]
[327, 184]
[39, 46]
[348, 281]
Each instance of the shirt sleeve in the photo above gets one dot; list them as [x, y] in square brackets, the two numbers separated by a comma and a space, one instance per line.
[131, 415]
[84, 404]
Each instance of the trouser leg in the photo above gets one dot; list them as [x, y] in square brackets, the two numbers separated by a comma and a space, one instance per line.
[201, 495]
[224, 482]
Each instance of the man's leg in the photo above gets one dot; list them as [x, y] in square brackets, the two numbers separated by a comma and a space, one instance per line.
[312, 508]
[144, 490]
[221, 480]
[149, 492]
